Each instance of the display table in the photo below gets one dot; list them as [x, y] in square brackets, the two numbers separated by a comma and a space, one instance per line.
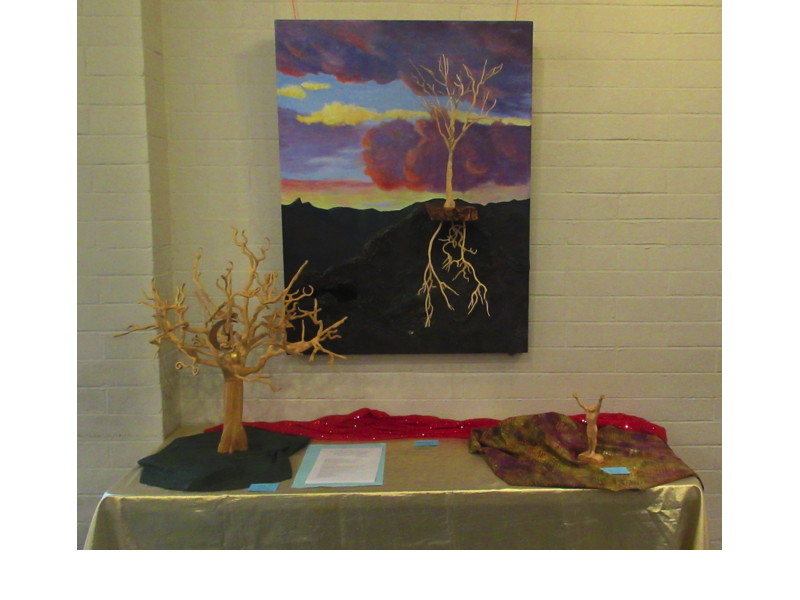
[437, 497]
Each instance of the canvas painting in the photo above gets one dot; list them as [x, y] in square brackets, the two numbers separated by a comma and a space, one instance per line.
[405, 153]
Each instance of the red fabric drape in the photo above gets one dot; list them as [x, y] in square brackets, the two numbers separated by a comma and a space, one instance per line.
[628, 422]
[369, 424]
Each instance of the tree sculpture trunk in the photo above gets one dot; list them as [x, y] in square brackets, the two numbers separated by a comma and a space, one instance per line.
[449, 202]
[234, 437]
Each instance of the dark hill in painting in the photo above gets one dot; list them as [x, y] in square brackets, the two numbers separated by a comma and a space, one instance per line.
[368, 265]
[327, 237]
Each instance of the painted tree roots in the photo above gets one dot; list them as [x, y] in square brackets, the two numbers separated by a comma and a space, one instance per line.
[455, 262]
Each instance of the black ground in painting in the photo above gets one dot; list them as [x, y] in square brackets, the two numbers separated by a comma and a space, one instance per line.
[368, 265]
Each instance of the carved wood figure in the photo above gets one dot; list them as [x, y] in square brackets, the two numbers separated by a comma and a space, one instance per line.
[592, 413]
[240, 333]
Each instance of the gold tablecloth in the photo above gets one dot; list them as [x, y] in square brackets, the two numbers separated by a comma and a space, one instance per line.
[436, 497]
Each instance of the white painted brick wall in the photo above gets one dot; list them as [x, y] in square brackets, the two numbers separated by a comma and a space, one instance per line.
[625, 229]
[119, 398]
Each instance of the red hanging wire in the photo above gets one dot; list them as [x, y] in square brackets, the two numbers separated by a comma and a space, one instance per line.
[294, 10]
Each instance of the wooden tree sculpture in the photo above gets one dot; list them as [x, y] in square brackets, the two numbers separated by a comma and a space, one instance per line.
[455, 102]
[240, 334]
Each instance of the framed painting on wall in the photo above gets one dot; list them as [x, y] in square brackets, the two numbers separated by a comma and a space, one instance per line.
[405, 153]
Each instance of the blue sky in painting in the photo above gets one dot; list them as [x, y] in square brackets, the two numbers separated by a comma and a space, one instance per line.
[371, 95]
[343, 162]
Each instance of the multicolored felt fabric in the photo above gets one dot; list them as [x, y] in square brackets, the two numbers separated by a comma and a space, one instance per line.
[542, 451]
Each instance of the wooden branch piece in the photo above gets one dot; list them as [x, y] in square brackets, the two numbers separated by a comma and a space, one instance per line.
[241, 332]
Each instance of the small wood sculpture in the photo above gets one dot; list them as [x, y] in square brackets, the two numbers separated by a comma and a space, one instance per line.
[592, 413]
[251, 322]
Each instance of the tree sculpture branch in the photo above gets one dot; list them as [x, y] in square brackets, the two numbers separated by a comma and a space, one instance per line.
[241, 333]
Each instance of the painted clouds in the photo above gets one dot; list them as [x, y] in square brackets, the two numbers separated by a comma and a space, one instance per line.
[383, 51]
[400, 154]
[348, 109]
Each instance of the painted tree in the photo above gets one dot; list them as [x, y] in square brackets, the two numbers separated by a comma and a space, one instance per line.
[455, 101]
[240, 333]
